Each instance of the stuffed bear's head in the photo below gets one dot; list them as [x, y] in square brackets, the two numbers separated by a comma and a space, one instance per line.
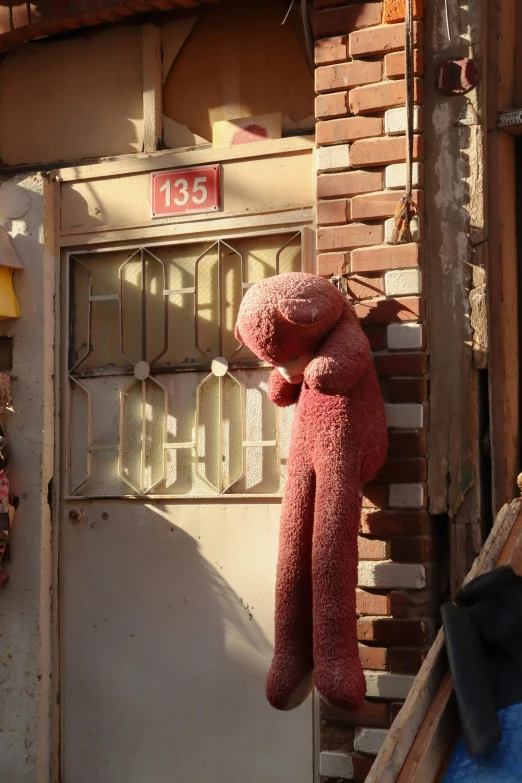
[285, 318]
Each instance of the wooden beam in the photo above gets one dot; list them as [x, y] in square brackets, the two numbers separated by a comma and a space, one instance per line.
[152, 88]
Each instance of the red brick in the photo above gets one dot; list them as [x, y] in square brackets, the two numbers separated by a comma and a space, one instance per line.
[375, 496]
[335, 104]
[412, 549]
[395, 10]
[373, 657]
[349, 183]
[401, 364]
[372, 713]
[406, 444]
[329, 264]
[331, 50]
[381, 205]
[382, 39]
[372, 603]
[389, 631]
[330, 212]
[381, 259]
[402, 471]
[346, 237]
[395, 65]
[372, 549]
[395, 708]
[377, 97]
[348, 129]
[406, 660]
[414, 603]
[383, 151]
[361, 766]
[364, 287]
[394, 523]
[408, 390]
[385, 311]
[336, 737]
[375, 334]
[345, 19]
[346, 75]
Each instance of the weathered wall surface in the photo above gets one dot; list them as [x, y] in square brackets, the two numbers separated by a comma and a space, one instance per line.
[72, 99]
[25, 603]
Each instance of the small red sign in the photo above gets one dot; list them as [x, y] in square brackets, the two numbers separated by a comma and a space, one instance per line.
[180, 191]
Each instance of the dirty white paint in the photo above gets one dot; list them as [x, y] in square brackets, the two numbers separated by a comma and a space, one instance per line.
[25, 624]
[406, 495]
[403, 282]
[404, 416]
[335, 765]
[395, 120]
[396, 175]
[401, 576]
[369, 740]
[380, 685]
[405, 337]
[334, 157]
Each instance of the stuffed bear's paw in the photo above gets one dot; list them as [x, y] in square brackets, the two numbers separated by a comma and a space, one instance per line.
[341, 683]
[289, 682]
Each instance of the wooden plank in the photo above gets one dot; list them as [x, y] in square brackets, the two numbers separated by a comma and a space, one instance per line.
[503, 315]
[400, 739]
[437, 733]
[170, 159]
[204, 230]
[152, 88]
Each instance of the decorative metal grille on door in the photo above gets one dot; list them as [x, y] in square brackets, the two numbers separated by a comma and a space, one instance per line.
[162, 400]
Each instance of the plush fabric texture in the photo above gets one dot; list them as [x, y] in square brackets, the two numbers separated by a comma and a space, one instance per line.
[338, 442]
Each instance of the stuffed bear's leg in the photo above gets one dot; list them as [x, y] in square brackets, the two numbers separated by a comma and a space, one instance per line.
[290, 678]
[338, 672]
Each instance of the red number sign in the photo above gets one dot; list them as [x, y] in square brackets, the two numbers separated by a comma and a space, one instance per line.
[180, 191]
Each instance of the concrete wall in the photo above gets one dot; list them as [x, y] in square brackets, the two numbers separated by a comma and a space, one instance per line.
[25, 602]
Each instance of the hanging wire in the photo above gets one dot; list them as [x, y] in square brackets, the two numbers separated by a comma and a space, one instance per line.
[288, 12]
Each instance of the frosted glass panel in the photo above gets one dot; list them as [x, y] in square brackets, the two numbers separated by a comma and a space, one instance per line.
[146, 414]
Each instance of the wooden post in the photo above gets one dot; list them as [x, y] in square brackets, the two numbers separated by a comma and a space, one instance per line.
[152, 88]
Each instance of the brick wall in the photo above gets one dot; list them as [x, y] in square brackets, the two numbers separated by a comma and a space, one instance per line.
[361, 175]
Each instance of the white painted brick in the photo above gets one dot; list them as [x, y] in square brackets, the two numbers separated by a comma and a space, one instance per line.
[369, 740]
[336, 157]
[404, 416]
[381, 685]
[414, 228]
[386, 574]
[335, 765]
[406, 496]
[404, 337]
[403, 282]
[396, 175]
[395, 120]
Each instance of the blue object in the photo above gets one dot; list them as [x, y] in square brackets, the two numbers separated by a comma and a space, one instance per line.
[503, 764]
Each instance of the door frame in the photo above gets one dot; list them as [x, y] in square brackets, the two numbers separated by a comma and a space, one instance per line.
[55, 244]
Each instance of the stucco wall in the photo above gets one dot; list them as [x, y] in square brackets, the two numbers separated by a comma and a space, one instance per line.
[25, 602]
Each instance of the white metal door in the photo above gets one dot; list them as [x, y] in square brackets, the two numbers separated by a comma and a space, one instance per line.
[173, 465]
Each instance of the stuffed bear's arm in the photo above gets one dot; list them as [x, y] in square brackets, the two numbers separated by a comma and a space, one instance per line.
[280, 392]
[342, 358]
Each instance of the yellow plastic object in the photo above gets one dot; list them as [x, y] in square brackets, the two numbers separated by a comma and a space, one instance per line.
[9, 307]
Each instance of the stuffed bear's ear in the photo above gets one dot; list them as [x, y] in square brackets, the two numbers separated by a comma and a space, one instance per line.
[300, 312]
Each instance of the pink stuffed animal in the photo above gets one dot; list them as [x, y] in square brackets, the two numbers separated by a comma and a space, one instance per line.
[303, 326]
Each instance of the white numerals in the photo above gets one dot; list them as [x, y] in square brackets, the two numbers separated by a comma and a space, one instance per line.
[183, 192]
